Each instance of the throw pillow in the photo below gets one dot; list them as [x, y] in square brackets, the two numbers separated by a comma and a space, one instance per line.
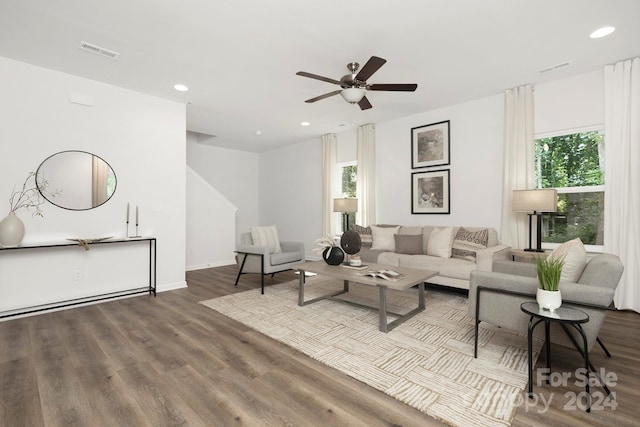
[266, 236]
[467, 243]
[408, 244]
[383, 238]
[575, 259]
[365, 235]
[439, 243]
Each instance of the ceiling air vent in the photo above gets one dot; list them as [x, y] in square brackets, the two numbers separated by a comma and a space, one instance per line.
[555, 67]
[99, 50]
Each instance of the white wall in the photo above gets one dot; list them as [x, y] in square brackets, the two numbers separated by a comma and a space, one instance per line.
[572, 103]
[289, 187]
[291, 192]
[291, 177]
[475, 170]
[211, 220]
[140, 136]
[233, 173]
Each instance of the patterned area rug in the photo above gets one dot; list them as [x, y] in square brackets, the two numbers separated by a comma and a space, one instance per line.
[426, 362]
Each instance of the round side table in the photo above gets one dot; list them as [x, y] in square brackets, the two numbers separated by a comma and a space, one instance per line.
[564, 315]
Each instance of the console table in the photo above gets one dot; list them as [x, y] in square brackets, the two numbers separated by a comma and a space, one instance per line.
[149, 288]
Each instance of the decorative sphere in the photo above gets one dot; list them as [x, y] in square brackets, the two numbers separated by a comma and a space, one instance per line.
[351, 242]
[333, 255]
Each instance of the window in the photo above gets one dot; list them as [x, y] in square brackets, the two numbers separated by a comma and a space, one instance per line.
[348, 181]
[573, 164]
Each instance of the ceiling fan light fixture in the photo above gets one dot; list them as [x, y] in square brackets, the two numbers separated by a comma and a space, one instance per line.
[353, 95]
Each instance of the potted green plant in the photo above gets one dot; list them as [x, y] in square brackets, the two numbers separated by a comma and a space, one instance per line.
[549, 271]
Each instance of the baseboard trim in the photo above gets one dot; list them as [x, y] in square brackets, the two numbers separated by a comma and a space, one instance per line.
[209, 265]
[171, 286]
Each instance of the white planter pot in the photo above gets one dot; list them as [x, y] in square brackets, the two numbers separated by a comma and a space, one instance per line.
[11, 231]
[549, 300]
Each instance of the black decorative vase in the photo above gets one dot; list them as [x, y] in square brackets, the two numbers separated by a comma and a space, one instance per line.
[333, 255]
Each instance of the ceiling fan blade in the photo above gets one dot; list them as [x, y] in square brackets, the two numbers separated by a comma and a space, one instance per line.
[373, 64]
[317, 77]
[364, 103]
[398, 87]
[326, 95]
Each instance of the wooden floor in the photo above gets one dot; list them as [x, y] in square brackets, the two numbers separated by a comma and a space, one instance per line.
[169, 361]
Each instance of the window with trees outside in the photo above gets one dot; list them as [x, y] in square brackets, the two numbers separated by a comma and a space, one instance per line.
[574, 165]
[348, 174]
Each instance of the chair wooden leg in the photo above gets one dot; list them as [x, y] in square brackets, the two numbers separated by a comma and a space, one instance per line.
[240, 271]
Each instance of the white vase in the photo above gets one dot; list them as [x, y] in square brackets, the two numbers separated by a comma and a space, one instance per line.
[549, 300]
[11, 231]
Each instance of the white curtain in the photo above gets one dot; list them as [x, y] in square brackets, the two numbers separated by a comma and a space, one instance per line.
[329, 149]
[366, 179]
[622, 171]
[518, 162]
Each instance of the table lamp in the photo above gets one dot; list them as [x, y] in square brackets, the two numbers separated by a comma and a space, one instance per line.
[535, 202]
[346, 206]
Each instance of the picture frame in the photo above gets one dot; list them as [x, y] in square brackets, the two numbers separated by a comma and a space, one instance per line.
[430, 192]
[430, 145]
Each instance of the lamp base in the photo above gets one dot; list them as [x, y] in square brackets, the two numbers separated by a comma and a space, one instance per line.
[533, 250]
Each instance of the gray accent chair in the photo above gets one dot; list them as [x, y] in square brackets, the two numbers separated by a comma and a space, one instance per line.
[257, 259]
[501, 291]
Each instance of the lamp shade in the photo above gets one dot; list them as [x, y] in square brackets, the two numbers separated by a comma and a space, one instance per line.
[538, 200]
[353, 94]
[345, 205]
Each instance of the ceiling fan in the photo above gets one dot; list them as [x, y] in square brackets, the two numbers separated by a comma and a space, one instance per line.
[355, 85]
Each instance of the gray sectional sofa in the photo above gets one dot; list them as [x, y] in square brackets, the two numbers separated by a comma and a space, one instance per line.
[453, 270]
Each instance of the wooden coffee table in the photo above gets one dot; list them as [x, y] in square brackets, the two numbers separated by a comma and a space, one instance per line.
[412, 277]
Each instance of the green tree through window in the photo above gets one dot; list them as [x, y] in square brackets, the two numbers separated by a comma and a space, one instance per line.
[574, 165]
[349, 177]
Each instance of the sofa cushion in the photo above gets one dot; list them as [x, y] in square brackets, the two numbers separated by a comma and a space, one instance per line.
[266, 236]
[440, 242]
[285, 257]
[410, 244]
[383, 237]
[412, 230]
[575, 259]
[467, 242]
[365, 235]
[449, 267]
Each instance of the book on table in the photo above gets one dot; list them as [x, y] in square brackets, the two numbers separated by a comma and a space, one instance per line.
[383, 274]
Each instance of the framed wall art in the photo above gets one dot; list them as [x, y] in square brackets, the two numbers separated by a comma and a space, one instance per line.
[430, 192]
[430, 145]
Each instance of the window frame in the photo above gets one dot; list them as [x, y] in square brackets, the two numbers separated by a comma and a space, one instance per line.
[575, 190]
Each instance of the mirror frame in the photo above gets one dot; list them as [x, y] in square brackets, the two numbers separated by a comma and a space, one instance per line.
[42, 193]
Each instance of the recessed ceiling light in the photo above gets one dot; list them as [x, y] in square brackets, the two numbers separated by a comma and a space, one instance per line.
[305, 123]
[181, 88]
[602, 32]
[258, 132]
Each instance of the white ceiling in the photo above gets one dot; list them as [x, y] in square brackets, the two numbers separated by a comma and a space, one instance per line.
[239, 58]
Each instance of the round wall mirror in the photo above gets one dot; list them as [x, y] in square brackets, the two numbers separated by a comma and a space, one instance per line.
[76, 180]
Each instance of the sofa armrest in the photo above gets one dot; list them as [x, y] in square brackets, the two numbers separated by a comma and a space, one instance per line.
[527, 269]
[598, 297]
[252, 249]
[486, 257]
